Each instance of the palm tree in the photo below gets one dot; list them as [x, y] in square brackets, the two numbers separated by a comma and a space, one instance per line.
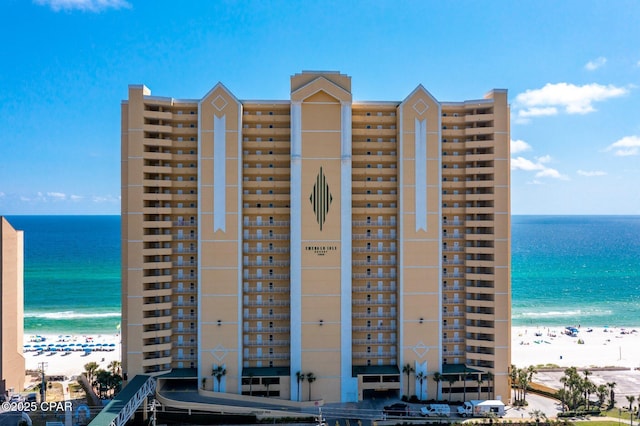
[90, 369]
[451, 380]
[490, 378]
[601, 391]
[464, 383]
[563, 396]
[612, 395]
[115, 366]
[219, 372]
[420, 377]
[513, 378]
[586, 387]
[631, 398]
[408, 369]
[523, 381]
[300, 378]
[250, 376]
[204, 383]
[437, 377]
[538, 415]
[310, 378]
[479, 380]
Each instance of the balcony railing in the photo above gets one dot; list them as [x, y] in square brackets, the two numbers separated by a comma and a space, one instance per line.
[373, 315]
[267, 357]
[374, 236]
[364, 288]
[374, 249]
[266, 316]
[266, 290]
[266, 250]
[266, 223]
[267, 343]
[266, 329]
[374, 262]
[373, 276]
[266, 276]
[266, 237]
[374, 355]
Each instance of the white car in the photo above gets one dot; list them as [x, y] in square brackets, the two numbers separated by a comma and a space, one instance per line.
[16, 398]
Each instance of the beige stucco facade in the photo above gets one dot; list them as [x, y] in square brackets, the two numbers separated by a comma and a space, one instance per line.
[320, 235]
[12, 308]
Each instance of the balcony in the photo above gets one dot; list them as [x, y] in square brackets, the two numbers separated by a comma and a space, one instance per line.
[157, 333]
[267, 303]
[373, 315]
[374, 249]
[373, 276]
[266, 250]
[374, 302]
[267, 357]
[252, 343]
[156, 347]
[374, 262]
[375, 328]
[367, 289]
[265, 276]
[266, 316]
[266, 289]
[156, 319]
[148, 362]
[267, 223]
[282, 237]
[369, 355]
[157, 128]
[266, 329]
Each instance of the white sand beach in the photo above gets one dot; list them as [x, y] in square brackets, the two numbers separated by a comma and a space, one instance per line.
[601, 347]
[66, 355]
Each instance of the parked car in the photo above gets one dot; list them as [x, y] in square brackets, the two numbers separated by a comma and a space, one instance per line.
[16, 398]
[397, 409]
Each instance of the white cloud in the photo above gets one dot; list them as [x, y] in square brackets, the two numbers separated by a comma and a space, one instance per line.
[627, 146]
[84, 5]
[537, 112]
[596, 63]
[592, 173]
[57, 195]
[519, 146]
[76, 197]
[538, 166]
[105, 199]
[569, 97]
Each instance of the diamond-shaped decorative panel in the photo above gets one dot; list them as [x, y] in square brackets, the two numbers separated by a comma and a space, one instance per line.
[219, 352]
[420, 106]
[219, 102]
[420, 349]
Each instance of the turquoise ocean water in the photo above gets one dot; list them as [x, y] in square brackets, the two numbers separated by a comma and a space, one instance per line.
[565, 270]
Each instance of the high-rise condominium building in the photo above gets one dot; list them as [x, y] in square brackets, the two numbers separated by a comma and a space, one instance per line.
[11, 308]
[362, 243]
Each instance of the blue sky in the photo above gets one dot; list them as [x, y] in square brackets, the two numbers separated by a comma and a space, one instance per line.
[572, 69]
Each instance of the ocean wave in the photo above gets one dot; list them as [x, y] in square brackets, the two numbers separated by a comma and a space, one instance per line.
[567, 313]
[66, 315]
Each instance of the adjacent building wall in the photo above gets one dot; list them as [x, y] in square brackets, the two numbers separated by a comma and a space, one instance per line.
[12, 366]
